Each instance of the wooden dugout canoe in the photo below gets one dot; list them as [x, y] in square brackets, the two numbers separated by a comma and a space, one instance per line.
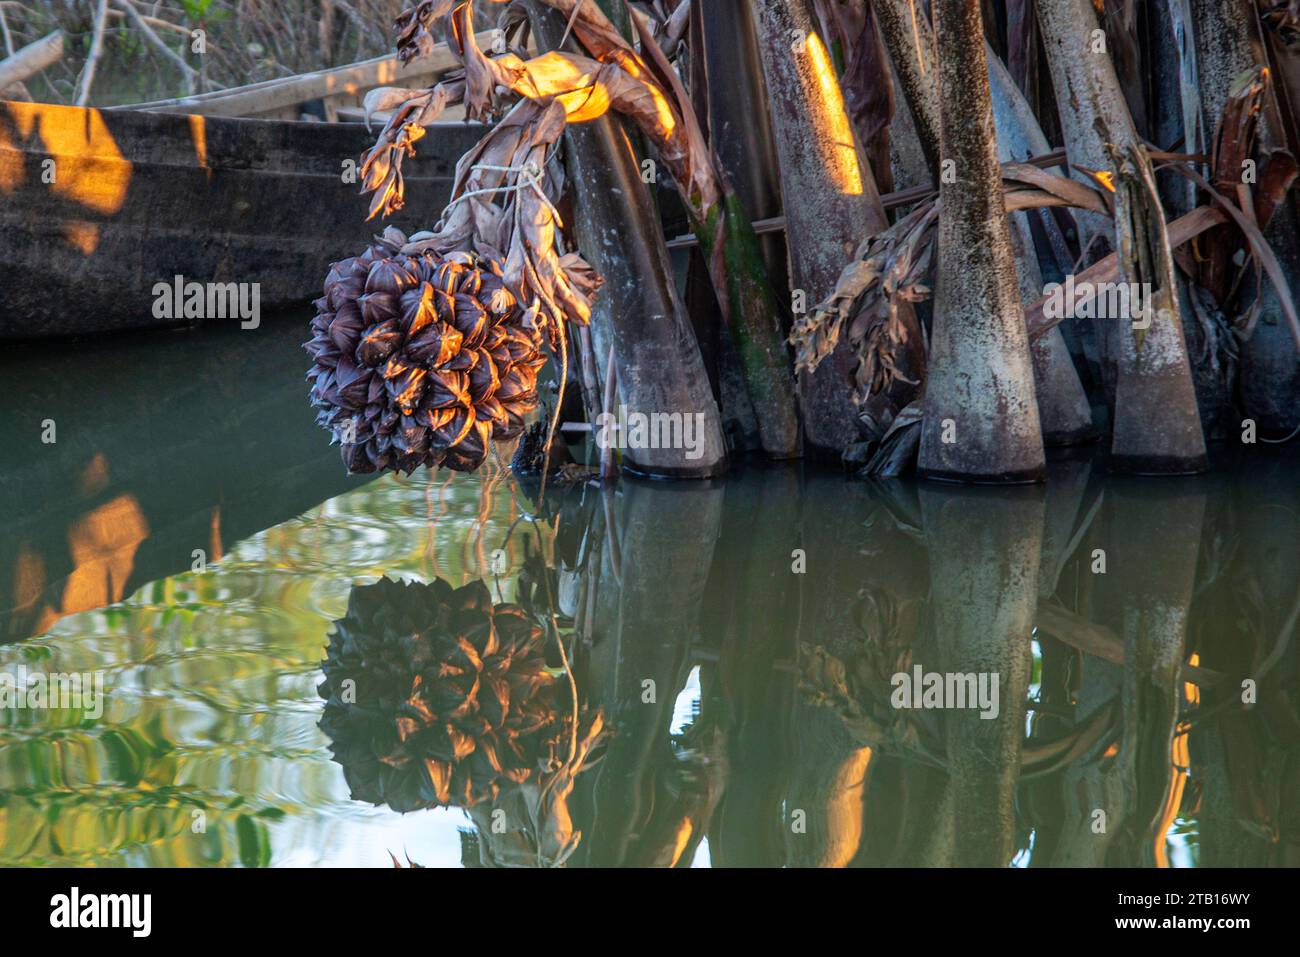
[135, 198]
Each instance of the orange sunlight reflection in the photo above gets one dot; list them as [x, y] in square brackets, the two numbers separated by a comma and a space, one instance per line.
[199, 134]
[684, 832]
[916, 40]
[103, 545]
[12, 172]
[84, 236]
[846, 171]
[844, 810]
[1182, 760]
[90, 168]
[667, 118]
[589, 103]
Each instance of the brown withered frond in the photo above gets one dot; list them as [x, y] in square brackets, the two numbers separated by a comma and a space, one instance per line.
[415, 28]
[1282, 17]
[1234, 143]
[889, 269]
[381, 167]
[502, 208]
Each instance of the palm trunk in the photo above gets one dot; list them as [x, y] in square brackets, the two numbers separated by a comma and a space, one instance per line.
[981, 412]
[1175, 106]
[1228, 42]
[639, 313]
[735, 257]
[726, 236]
[1068, 479]
[739, 127]
[1063, 409]
[1156, 427]
[740, 136]
[831, 202]
[908, 162]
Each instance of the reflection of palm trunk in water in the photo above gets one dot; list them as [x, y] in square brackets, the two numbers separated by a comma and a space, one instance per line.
[645, 806]
[752, 606]
[984, 567]
[902, 791]
[1151, 538]
[860, 606]
[1069, 511]
[1072, 503]
[1248, 759]
[1157, 543]
[860, 603]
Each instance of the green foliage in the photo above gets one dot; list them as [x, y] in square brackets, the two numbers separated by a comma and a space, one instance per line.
[196, 9]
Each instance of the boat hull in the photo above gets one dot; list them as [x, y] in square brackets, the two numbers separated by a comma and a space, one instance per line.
[99, 207]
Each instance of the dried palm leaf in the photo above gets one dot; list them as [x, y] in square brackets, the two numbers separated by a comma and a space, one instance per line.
[1282, 17]
[411, 112]
[1233, 145]
[890, 267]
[415, 28]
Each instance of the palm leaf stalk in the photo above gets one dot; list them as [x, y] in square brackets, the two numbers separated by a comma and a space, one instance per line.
[1063, 406]
[909, 38]
[856, 48]
[650, 793]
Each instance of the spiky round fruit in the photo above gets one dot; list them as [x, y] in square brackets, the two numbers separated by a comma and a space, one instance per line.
[437, 697]
[420, 360]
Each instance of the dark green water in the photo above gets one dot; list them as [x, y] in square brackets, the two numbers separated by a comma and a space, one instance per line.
[190, 534]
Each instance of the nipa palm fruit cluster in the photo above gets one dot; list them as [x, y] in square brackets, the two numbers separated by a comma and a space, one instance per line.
[437, 697]
[421, 360]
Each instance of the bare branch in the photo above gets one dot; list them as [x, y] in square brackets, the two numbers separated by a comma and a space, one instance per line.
[87, 77]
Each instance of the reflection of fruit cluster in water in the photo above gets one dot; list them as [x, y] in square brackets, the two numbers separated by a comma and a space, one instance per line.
[420, 360]
[450, 697]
